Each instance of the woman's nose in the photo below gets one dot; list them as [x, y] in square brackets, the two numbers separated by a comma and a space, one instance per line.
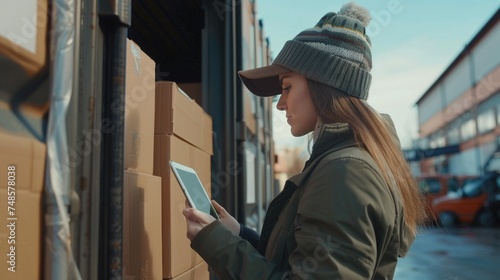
[281, 105]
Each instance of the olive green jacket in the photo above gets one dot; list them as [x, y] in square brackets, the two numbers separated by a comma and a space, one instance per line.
[337, 219]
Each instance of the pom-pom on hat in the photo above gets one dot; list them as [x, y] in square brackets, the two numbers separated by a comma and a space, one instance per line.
[335, 52]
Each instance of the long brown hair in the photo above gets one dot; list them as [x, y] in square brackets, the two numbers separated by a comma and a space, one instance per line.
[373, 134]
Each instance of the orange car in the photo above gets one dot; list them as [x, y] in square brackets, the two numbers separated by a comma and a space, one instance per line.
[470, 204]
[438, 185]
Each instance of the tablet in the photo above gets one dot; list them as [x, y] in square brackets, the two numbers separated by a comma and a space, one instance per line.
[193, 188]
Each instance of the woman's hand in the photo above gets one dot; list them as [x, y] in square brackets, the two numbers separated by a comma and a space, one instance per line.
[226, 219]
[195, 220]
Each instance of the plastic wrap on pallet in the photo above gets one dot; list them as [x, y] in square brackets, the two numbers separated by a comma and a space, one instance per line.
[59, 262]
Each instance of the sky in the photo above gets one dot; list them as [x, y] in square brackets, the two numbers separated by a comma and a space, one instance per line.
[413, 42]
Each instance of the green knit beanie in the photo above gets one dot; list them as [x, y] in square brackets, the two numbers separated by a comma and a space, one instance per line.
[335, 52]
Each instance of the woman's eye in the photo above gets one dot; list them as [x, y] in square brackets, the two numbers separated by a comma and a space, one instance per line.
[286, 89]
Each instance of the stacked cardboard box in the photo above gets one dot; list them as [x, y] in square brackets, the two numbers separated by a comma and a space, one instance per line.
[22, 170]
[24, 90]
[183, 133]
[139, 110]
[23, 36]
[161, 124]
[24, 99]
[142, 215]
[142, 239]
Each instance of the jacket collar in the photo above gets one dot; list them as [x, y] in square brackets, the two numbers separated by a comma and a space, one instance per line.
[330, 137]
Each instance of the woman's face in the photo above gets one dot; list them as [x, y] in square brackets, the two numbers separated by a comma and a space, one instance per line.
[296, 101]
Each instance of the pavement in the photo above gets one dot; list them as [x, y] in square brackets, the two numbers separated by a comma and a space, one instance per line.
[460, 253]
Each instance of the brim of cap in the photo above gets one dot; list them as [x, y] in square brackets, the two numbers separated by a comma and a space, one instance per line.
[264, 81]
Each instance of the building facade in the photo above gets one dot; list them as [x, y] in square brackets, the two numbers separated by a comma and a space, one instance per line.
[459, 115]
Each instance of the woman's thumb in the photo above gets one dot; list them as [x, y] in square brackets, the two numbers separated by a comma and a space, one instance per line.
[217, 207]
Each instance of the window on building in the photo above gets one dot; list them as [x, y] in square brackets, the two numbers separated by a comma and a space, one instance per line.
[438, 142]
[250, 176]
[254, 103]
[486, 121]
[453, 136]
[498, 114]
[423, 143]
[468, 129]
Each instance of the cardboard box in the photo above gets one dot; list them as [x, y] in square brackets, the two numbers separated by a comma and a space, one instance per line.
[23, 34]
[178, 257]
[25, 159]
[28, 157]
[142, 225]
[23, 231]
[178, 114]
[200, 272]
[139, 110]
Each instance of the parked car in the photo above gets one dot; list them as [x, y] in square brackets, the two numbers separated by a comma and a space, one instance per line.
[438, 185]
[475, 203]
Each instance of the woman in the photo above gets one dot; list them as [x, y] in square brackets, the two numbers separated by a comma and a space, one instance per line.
[355, 207]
